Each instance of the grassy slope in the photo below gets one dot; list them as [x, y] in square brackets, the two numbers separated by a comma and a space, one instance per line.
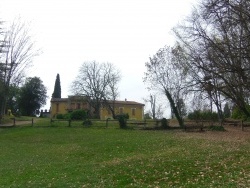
[99, 157]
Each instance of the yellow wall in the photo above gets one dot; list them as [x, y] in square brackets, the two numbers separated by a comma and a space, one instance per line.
[61, 106]
[64, 105]
[58, 108]
[127, 109]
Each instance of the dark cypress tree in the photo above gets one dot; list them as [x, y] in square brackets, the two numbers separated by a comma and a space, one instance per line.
[57, 88]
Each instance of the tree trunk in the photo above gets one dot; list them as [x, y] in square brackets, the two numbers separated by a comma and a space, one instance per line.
[174, 108]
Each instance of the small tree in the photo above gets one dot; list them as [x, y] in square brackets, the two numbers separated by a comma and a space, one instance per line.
[147, 115]
[57, 88]
[156, 108]
[122, 119]
[164, 123]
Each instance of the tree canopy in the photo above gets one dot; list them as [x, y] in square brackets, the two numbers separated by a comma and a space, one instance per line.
[165, 74]
[215, 40]
[33, 95]
[98, 82]
[16, 54]
[210, 60]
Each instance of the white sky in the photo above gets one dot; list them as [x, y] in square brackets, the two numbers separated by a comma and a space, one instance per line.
[123, 32]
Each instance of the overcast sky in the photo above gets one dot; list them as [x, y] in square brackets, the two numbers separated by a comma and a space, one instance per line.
[123, 32]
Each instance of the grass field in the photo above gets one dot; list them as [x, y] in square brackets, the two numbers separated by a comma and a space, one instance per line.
[62, 156]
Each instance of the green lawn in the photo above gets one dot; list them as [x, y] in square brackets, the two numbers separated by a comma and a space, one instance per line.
[61, 156]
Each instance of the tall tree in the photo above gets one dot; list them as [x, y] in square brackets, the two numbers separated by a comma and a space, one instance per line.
[165, 74]
[17, 57]
[216, 38]
[57, 88]
[98, 82]
[33, 95]
[2, 68]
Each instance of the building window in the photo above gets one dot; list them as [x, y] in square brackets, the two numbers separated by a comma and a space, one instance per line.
[72, 106]
[121, 110]
[133, 111]
[57, 107]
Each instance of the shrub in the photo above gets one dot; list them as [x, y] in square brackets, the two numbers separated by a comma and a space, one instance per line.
[238, 114]
[122, 118]
[164, 123]
[147, 116]
[78, 115]
[59, 116]
[67, 116]
[216, 128]
[87, 123]
[195, 115]
[18, 114]
[203, 115]
[122, 115]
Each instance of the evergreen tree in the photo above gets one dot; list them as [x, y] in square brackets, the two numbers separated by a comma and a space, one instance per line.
[57, 88]
[32, 96]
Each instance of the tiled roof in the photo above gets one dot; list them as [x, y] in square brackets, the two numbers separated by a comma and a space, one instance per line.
[127, 103]
[116, 102]
[59, 100]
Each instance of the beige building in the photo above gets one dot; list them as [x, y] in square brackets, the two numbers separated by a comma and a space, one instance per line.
[134, 109]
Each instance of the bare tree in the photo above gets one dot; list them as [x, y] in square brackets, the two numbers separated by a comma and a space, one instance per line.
[156, 109]
[152, 103]
[165, 74]
[216, 39]
[111, 93]
[18, 53]
[98, 82]
[1, 72]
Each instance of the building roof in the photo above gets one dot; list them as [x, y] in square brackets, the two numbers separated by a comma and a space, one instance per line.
[125, 102]
[128, 103]
[59, 100]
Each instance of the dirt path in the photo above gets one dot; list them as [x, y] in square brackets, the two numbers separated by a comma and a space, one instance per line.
[231, 134]
[16, 123]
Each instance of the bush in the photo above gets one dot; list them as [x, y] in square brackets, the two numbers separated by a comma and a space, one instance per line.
[122, 115]
[147, 116]
[78, 115]
[18, 114]
[59, 116]
[122, 118]
[195, 115]
[87, 123]
[238, 114]
[216, 128]
[164, 123]
[203, 115]
[67, 116]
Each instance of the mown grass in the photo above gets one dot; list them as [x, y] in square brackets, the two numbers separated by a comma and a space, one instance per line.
[62, 156]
